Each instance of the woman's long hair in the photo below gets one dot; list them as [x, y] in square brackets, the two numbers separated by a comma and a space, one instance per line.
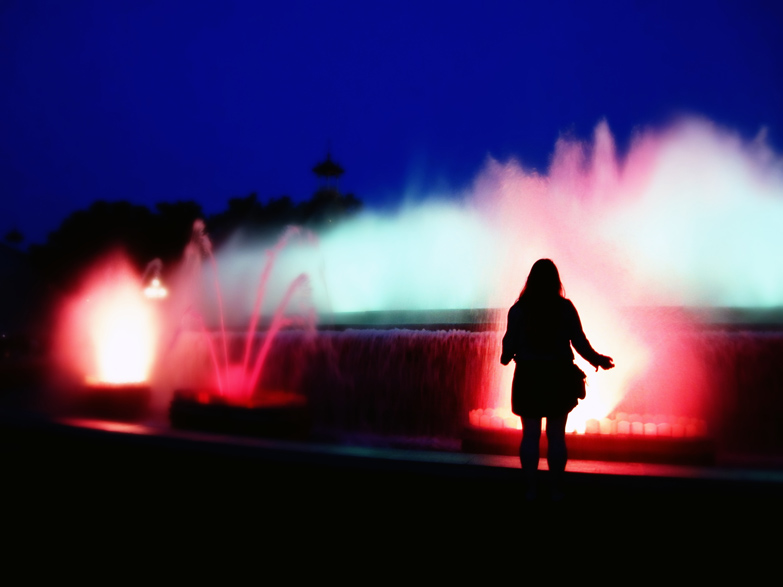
[543, 282]
[541, 297]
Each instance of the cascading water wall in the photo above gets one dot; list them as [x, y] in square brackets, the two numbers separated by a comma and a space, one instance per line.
[108, 330]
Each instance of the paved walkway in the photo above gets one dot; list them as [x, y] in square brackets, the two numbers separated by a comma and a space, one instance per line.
[429, 463]
[76, 473]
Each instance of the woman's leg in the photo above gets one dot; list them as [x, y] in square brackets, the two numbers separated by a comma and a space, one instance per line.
[529, 451]
[557, 454]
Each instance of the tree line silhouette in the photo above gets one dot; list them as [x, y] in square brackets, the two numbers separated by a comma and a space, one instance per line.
[145, 234]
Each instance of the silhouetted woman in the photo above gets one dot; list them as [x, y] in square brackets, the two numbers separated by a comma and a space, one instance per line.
[542, 326]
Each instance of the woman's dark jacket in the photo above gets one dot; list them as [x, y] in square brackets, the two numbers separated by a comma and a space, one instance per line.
[539, 338]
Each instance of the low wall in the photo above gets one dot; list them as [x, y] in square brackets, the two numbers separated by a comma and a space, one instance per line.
[424, 383]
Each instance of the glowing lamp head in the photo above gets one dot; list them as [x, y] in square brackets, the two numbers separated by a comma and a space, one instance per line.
[155, 290]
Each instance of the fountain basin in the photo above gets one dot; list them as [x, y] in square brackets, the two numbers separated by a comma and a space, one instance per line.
[661, 443]
[274, 414]
[123, 401]
[397, 383]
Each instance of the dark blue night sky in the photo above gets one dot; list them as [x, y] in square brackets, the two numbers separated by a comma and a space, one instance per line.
[176, 100]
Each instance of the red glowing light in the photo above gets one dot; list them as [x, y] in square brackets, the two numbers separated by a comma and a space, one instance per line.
[619, 423]
[109, 330]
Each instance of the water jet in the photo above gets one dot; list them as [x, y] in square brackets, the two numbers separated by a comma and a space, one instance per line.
[234, 401]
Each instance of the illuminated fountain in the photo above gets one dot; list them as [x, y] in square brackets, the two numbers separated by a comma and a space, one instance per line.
[108, 339]
[686, 220]
[646, 246]
[232, 398]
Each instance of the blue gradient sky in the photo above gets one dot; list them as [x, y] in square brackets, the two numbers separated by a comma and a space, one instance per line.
[162, 101]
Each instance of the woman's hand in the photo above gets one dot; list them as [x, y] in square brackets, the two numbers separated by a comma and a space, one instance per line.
[605, 363]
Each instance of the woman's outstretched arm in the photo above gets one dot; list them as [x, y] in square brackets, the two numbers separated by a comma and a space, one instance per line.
[583, 346]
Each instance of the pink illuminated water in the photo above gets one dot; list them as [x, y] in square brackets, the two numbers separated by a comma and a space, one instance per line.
[237, 381]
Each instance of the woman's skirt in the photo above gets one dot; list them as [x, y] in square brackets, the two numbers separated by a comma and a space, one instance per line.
[543, 389]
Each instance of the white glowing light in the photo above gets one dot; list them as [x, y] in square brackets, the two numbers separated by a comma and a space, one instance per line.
[122, 333]
[108, 332]
[155, 290]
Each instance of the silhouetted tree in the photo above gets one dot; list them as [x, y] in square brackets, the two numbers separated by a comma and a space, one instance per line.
[87, 234]
[144, 235]
[173, 225]
[327, 208]
[243, 214]
[248, 219]
[14, 237]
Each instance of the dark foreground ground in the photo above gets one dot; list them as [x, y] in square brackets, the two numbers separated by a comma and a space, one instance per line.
[125, 480]
[140, 491]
